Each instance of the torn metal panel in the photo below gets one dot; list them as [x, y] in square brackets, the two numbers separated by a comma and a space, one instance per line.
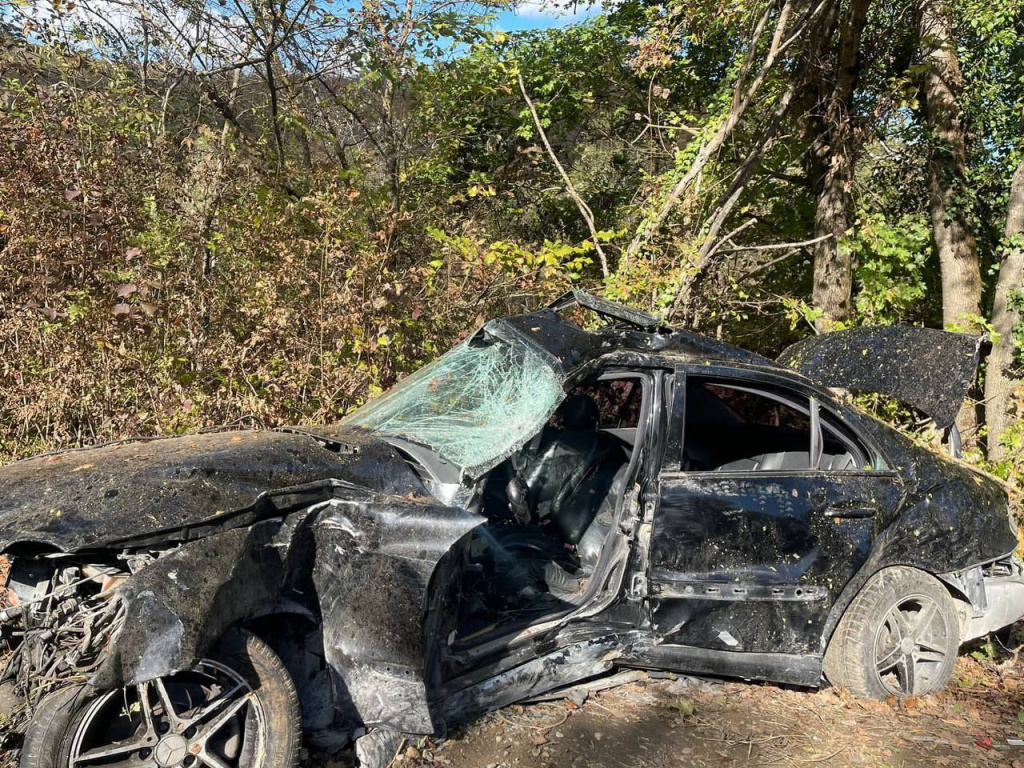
[609, 310]
[379, 748]
[971, 585]
[575, 348]
[562, 667]
[371, 574]
[361, 562]
[995, 593]
[928, 369]
[181, 603]
[89, 498]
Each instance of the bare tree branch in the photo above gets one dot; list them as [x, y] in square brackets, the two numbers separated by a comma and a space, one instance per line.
[584, 209]
[776, 246]
[779, 44]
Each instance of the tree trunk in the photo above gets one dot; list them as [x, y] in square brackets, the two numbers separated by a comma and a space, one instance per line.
[1000, 378]
[947, 168]
[834, 158]
[947, 182]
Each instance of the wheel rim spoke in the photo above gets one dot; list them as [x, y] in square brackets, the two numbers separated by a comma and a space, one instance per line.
[905, 669]
[212, 760]
[924, 618]
[121, 748]
[131, 762]
[218, 703]
[165, 700]
[142, 690]
[898, 623]
[930, 654]
[888, 661]
[137, 742]
[931, 646]
[218, 722]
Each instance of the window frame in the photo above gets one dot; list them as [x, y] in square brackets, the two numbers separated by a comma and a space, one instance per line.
[611, 375]
[763, 383]
[854, 444]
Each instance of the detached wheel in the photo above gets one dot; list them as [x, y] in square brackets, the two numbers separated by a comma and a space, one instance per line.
[899, 637]
[237, 709]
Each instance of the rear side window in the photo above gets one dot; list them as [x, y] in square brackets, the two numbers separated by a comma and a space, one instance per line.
[734, 428]
[840, 450]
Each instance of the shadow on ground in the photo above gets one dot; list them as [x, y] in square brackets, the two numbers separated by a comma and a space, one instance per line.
[668, 723]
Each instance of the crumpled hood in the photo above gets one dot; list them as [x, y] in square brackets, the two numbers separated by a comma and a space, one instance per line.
[95, 497]
[928, 369]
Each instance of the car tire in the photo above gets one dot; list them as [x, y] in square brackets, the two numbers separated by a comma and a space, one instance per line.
[58, 720]
[899, 637]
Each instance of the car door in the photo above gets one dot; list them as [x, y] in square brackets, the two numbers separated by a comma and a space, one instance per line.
[765, 512]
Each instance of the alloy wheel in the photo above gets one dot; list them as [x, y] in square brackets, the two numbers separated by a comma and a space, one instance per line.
[911, 645]
[209, 716]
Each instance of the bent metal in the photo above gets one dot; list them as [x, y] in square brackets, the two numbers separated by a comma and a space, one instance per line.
[545, 503]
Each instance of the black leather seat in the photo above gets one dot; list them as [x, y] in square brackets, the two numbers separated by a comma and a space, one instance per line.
[571, 472]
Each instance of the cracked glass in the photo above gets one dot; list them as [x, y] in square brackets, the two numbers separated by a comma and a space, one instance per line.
[474, 406]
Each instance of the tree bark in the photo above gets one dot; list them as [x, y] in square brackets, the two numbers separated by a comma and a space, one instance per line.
[947, 168]
[1001, 375]
[834, 161]
[947, 182]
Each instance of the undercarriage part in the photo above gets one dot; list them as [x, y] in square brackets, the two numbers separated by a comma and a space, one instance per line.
[577, 661]
[378, 748]
[580, 692]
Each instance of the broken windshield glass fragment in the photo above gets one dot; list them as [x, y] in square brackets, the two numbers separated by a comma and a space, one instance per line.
[474, 406]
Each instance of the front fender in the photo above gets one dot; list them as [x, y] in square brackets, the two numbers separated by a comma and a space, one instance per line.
[179, 605]
[360, 563]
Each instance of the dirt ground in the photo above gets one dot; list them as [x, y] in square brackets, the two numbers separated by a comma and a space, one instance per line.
[666, 723]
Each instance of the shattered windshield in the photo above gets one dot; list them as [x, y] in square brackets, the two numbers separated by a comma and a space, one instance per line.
[474, 406]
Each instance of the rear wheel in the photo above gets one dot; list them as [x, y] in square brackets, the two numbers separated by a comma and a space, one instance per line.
[899, 637]
[236, 709]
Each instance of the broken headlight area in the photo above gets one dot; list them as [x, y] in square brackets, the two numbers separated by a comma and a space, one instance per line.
[58, 617]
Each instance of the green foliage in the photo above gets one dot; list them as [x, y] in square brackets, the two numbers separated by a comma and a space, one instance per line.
[892, 259]
[798, 312]
[182, 248]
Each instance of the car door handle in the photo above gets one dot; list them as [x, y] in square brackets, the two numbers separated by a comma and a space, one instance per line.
[850, 511]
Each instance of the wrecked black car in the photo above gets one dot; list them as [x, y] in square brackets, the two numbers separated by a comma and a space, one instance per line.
[539, 506]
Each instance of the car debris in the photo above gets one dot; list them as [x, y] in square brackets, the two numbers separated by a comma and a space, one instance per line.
[542, 506]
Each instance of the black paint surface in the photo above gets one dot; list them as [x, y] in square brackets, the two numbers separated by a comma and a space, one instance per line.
[923, 367]
[337, 528]
[760, 557]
